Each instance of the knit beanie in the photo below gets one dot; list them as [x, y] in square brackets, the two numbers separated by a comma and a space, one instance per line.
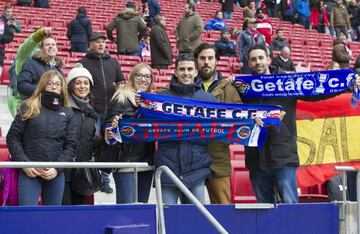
[78, 71]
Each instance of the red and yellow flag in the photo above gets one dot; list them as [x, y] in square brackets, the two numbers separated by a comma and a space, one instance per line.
[328, 135]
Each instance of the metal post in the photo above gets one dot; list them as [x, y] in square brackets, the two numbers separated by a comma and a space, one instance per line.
[187, 193]
[136, 192]
[344, 184]
[159, 206]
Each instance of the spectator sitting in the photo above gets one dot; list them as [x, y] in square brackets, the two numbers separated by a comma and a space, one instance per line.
[284, 61]
[6, 36]
[24, 2]
[341, 53]
[144, 47]
[11, 21]
[225, 46]
[264, 25]
[79, 31]
[333, 66]
[279, 41]
[217, 23]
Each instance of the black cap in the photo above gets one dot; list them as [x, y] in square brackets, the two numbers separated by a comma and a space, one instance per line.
[130, 4]
[96, 36]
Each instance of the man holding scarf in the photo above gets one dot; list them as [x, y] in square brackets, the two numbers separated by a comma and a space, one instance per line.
[189, 160]
[206, 56]
[274, 166]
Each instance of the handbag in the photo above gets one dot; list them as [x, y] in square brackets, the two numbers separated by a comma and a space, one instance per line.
[86, 181]
[108, 153]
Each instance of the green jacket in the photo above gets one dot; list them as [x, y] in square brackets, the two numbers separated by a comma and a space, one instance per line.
[129, 24]
[190, 27]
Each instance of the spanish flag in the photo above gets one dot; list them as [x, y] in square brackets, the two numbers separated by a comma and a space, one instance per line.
[328, 135]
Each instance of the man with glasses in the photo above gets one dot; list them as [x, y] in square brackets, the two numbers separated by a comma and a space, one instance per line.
[107, 75]
[189, 160]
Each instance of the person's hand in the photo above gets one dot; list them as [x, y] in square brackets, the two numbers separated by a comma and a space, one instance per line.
[258, 121]
[31, 172]
[47, 30]
[282, 114]
[357, 82]
[231, 79]
[115, 121]
[49, 173]
[137, 99]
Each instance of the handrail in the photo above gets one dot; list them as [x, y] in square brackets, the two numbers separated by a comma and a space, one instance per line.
[73, 164]
[187, 193]
[348, 168]
[134, 165]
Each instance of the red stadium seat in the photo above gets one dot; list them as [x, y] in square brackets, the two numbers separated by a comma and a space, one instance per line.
[237, 152]
[240, 184]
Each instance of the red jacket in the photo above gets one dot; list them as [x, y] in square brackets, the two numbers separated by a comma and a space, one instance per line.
[314, 17]
[264, 26]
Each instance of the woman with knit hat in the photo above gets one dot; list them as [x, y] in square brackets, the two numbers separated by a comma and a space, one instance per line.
[79, 82]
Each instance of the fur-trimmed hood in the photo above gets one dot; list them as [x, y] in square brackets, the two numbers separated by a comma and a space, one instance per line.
[44, 58]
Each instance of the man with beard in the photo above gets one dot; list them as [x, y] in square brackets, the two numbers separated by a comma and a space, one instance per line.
[273, 167]
[218, 186]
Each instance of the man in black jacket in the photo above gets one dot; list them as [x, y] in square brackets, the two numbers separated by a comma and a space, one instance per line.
[107, 74]
[284, 61]
[274, 166]
[161, 52]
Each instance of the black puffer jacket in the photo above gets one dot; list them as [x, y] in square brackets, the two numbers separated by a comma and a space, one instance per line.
[131, 152]
[50, 136]
[29, 78]
[85, 119]
[105, 72]
[79, 29]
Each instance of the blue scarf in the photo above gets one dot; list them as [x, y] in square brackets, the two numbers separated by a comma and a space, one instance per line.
[296, 84]
[169, 118]
[165, 107]
[244, 132]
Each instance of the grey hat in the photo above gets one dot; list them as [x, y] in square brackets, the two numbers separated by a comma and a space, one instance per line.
[96, 36]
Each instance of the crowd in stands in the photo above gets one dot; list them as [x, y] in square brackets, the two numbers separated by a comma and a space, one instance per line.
[69, 117]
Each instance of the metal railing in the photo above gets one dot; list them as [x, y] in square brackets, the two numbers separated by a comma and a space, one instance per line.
[187, 193]
[344, 169]
[135, 165]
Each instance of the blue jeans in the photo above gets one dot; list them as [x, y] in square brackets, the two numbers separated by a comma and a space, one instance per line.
[228, 15]
[125, 188]
[305, 21]
[282, 179]
[30, 189]
[171, 194]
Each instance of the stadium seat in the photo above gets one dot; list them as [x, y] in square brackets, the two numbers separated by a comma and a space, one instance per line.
[240, 184]
[237, 152]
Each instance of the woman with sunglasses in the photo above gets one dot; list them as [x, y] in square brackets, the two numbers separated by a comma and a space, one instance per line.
[43, 130]
[123, 105]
